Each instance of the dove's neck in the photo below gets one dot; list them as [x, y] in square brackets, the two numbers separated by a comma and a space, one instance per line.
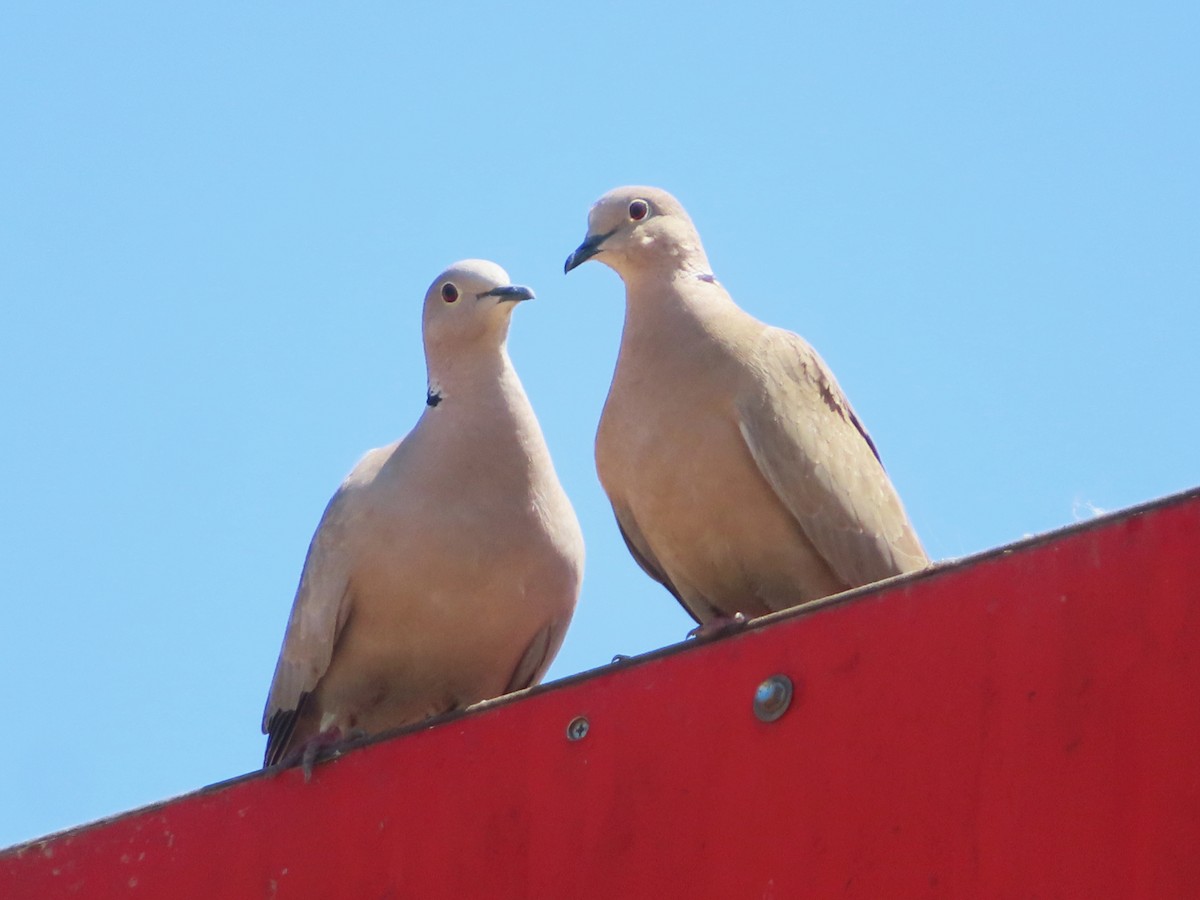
[483, 413]
[682, 257]
[472, 378]
[662, 300]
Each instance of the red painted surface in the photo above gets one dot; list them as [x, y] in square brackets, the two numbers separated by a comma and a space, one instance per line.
[1024, 724]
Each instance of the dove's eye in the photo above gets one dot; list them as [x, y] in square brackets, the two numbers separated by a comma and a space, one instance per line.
[449, 292]
[638, 210]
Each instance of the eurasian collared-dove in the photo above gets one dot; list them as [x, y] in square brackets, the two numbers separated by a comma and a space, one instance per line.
[741, 478]
[446, 567]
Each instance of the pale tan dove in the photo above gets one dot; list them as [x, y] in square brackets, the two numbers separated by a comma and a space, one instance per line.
[447, 566]
[741, 478]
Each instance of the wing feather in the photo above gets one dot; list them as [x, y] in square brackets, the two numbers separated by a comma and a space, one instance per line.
[319, 612]
[810, 446]
[639, 549]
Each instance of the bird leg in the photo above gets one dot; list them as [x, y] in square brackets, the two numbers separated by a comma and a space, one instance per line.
[320, 747]
[718, 626]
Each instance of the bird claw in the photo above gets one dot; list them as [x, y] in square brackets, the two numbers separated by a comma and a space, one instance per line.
[719, 626]
[321, 747]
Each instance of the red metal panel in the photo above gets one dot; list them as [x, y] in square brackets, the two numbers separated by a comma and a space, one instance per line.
[1022, 724]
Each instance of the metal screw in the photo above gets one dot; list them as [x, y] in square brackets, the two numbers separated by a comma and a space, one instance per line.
[577, 729]
[772, 698]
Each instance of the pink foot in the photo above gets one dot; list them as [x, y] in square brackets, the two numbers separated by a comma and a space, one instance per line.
[320, 747]
[718, 626]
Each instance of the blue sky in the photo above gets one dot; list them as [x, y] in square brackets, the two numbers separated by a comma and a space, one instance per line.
[217, 225]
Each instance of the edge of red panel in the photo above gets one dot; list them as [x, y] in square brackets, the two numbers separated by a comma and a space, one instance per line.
[936, 570]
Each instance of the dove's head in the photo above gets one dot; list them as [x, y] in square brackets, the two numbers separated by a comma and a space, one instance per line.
[469, 304]
[631, 228]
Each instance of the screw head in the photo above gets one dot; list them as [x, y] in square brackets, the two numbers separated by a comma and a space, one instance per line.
[577, 729]
[772, 698]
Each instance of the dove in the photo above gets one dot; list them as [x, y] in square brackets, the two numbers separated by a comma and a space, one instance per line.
[740, 476]
[446, 568]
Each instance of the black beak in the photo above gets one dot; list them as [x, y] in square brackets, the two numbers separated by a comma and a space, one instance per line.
[513, 293]
[585, 251]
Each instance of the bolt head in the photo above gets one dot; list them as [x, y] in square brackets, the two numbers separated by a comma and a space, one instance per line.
[577, 729]
[772, 698]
